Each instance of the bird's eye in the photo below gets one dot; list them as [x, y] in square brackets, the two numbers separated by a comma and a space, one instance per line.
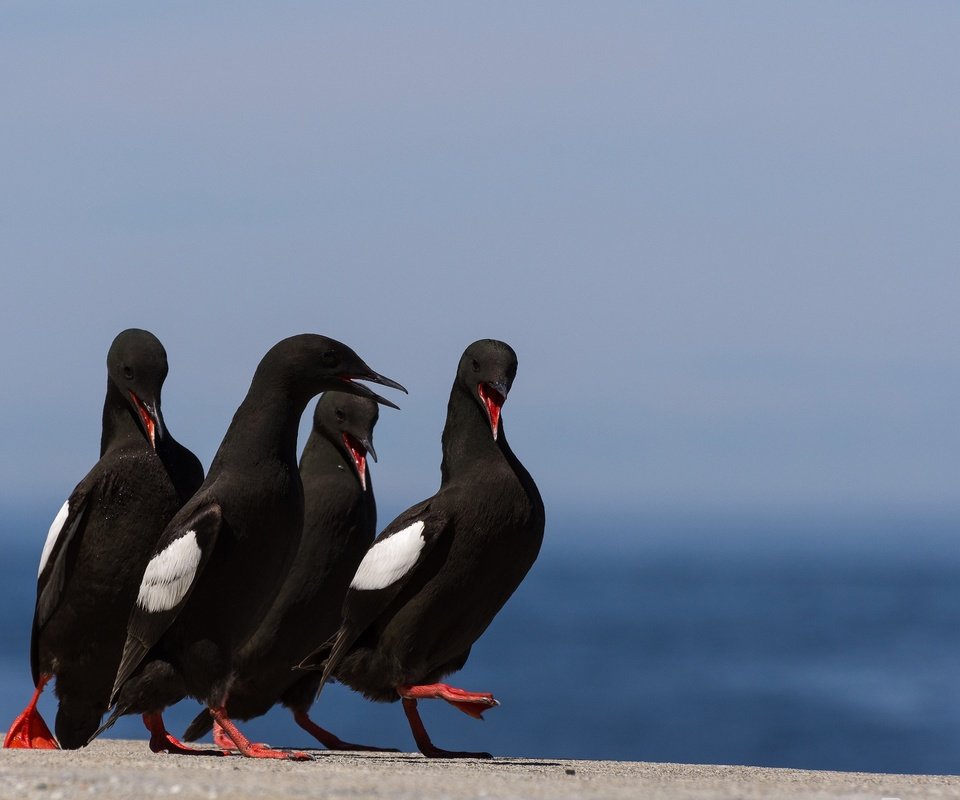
[127, 373]
[329, 359]
[339, 414]
[476, 365]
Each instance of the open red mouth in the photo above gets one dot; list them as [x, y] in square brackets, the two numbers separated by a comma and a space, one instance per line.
[493, 402]
[148, 424]
[359, 455]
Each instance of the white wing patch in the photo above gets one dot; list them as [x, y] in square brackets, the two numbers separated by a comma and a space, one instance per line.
[169, 574]
[389, 559]
[55, 527]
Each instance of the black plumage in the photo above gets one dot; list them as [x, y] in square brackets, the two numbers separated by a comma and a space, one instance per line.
[340, 521]
[221, 560]
[100, 543]
[439, 573]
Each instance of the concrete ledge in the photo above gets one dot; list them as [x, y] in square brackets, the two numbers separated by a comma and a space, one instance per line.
[115, 769]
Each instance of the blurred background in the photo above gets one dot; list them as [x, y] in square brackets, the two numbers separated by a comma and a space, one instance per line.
[722, 239]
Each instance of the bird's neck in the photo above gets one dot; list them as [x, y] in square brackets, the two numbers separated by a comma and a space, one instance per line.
[264, 427]
[321, 454]
[183, 467]
[467, 438]
[120, 427]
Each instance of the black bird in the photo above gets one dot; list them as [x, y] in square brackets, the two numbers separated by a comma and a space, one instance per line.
[220, 562]
[340, 523]
[99, 544]
[439, 573]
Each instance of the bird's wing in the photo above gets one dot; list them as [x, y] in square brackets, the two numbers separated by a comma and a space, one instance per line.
[387, 567]
[56, 564]
[172, 572]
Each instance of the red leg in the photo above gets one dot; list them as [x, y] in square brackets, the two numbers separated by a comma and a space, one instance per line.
[29, 731]
[163, 742]
[471, 703]
[221, 740]
[423, 739]
[248, 748]
[330, 740]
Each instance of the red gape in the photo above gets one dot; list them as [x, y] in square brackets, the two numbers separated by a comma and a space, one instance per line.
[148, 424]
[29, 731]
[493, 402]
[472, 703]
[359, 456]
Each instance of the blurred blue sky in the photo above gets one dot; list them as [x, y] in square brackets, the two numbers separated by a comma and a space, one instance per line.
[723, 238]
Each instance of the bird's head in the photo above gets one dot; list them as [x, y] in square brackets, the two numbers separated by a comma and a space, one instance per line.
[137, 367]
[309, 364]
[487, 370]
[348, 422]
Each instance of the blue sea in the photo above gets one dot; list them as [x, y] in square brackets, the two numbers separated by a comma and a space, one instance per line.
[820, 642]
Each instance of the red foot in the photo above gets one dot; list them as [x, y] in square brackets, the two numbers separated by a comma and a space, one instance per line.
[424, 745]
[330, 740]
[471, 703]
[29, 731]
[163, 742]
[248, 748]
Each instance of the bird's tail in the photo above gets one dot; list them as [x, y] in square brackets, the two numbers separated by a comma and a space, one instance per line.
[202, 725]
[326, 657]
[117, 713]
[133, 652]
[318, 658]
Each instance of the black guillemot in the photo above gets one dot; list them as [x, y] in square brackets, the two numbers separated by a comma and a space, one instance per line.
[340, 522]
[99, 545]
[439, 573]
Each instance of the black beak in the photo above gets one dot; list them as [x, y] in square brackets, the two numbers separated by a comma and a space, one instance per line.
[375, 377]
[501, 388]
[150, 419]
[368, 446]
[161, 431]
[359, 389]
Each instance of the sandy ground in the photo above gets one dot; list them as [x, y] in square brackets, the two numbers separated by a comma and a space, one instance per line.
[112, 769]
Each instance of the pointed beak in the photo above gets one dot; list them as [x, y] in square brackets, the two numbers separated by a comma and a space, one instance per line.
[150, 419]
[359, 389]
[493, 395]
[375, 377]
[358, 449]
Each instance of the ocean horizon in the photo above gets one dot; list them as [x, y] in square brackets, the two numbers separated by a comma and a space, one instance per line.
[794, 643]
